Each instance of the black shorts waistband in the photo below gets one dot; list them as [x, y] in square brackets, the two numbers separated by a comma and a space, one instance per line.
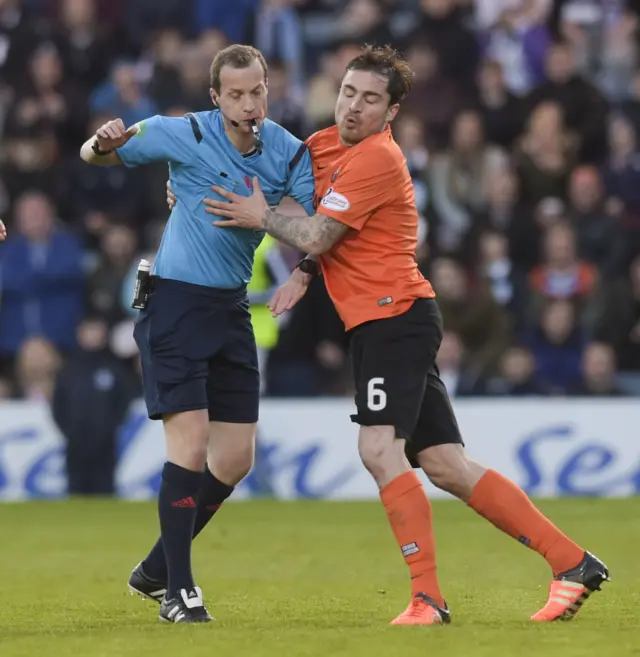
[428, 304]
[225, 294]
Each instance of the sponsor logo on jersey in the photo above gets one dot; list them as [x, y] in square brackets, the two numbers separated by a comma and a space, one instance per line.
[335, 201]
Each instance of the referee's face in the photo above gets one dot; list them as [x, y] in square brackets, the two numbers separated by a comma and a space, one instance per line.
[243, 94]
[363, 106]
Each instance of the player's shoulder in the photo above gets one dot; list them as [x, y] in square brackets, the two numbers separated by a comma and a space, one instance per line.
[378, 154]
[380, 145]
[324, 138]
[282, 143]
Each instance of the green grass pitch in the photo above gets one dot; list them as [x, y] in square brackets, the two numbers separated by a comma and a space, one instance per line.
[305, 579]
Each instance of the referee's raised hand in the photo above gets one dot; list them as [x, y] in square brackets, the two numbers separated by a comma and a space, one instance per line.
[113, 134]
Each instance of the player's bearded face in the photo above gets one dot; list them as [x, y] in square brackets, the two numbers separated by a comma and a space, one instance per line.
[243, 95]
[363, 107]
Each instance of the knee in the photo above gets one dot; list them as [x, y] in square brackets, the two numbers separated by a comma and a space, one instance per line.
[233, 466]
[187, 437]
[449, 469]
[231, 457]
[446, 478]
[192, 455]
[381, 453]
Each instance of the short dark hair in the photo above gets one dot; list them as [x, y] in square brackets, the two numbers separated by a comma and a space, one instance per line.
[236, 56]
[388, 62]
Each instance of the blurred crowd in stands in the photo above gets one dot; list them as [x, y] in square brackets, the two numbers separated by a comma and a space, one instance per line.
[521, 135]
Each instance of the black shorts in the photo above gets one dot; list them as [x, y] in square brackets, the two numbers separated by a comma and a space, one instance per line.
[397, 381]
[198, 351]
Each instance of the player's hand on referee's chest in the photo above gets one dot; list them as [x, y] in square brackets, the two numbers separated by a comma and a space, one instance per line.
[171, 197]
[239, 211]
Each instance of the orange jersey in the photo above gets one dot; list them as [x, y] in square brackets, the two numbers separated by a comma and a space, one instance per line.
[372, 272]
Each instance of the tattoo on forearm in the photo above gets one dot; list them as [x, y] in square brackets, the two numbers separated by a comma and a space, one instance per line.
[292, 230]
[309, 234]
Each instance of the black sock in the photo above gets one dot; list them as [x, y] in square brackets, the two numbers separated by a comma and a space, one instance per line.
[210, 497]
[213, 493]
[177, 510]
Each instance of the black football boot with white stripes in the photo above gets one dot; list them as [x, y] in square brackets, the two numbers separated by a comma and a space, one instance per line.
[141, 584]
[186, 607]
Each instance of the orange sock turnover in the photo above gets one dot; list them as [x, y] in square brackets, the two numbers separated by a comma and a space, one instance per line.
[507, 506]
[409, 513]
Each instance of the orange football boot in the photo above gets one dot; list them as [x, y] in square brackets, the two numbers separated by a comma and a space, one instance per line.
[423, 611]
[570, 590]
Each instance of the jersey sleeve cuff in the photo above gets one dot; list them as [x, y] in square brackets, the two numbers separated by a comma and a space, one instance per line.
[340, 217]
[121, 152]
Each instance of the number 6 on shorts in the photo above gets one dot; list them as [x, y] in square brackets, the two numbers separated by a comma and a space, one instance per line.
[376, 397]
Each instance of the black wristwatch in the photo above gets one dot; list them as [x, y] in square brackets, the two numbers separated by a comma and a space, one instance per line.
[309, 266]
[95, 147]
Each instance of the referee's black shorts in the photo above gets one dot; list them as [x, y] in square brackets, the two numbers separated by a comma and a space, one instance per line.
[198, 351]
[397, 381]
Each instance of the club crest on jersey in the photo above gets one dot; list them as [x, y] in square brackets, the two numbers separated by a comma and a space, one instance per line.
[335, 174]
[335, 201]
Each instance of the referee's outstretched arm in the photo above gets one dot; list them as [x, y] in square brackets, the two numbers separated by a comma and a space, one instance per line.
[100, 149]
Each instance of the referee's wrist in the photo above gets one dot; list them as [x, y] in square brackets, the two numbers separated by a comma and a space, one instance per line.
[95, 147]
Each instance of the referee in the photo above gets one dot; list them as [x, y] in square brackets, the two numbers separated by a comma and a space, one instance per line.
[197, 347]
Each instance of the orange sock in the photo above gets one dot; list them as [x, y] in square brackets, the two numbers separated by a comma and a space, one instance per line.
[507, 506]
[409, 513]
